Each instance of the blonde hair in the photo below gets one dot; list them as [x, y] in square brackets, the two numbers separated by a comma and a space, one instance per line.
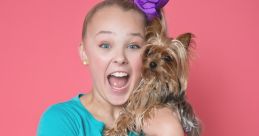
[125, 5]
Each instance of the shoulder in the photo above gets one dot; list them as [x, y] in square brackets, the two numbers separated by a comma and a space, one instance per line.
[57, 120]
[164, 123]
[61, 110]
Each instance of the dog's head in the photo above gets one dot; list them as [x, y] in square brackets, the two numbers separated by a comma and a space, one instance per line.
[165, 60]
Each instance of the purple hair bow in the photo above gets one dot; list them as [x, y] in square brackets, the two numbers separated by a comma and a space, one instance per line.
[150, 7]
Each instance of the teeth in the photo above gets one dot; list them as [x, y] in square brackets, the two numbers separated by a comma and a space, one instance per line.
[119, 74]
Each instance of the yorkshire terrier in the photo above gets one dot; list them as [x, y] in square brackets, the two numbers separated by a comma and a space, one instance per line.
[163, 84]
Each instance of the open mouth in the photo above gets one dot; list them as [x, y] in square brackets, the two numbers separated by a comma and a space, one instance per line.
[118, 80]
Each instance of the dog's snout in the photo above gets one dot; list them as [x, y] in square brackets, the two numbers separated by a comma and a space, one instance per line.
[152, 65]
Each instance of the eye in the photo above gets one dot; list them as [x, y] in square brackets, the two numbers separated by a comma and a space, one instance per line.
[167, 58]
[133, 46]
[105, 45]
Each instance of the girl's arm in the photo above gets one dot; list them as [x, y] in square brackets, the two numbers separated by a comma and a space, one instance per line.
[164, 123]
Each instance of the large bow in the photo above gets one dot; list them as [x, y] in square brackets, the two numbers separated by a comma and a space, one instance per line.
[151, 7]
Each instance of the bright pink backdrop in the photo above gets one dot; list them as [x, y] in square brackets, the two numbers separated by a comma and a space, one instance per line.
[40, 64]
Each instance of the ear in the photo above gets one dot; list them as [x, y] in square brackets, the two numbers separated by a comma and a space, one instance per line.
[156, 28]
[82, 52]
[185, 39]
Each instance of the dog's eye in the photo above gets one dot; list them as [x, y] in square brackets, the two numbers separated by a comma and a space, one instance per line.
[167, 58]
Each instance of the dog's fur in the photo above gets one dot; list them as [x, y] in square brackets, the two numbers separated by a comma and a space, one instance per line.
[163, 84]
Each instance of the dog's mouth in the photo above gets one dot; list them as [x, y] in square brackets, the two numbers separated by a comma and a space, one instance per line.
[118, 79]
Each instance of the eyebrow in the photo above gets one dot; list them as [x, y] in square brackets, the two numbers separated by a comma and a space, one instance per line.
[104, 32]
[136, 34]
[110, 32]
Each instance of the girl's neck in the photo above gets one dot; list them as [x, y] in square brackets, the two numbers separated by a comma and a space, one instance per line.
[100, 109]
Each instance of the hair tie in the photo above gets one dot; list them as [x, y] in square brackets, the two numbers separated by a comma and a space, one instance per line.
[151, 7]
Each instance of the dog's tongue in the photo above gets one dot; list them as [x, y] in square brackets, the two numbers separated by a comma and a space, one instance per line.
[118, 82]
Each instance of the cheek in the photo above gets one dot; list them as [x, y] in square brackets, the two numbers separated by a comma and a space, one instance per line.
[96, 69]
[97, 64]
[137, 63]
[95, 56]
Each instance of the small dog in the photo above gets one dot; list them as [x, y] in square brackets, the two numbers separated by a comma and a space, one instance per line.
[163, 84]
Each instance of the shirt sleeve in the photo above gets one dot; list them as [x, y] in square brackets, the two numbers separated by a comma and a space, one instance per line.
[56, 121]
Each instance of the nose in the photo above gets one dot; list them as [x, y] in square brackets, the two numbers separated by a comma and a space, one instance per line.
[121, 61]
[152, 65]
[120, 58]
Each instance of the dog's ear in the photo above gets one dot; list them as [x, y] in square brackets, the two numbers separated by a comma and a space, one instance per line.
[156, 28]
[185, 39]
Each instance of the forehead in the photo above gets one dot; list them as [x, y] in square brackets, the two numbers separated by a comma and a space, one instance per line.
[115, 19]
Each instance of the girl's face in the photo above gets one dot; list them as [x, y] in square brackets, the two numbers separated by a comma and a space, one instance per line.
[114, 44]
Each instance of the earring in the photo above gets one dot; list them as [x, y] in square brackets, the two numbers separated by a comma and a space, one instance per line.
[85, 62]
[83, 55]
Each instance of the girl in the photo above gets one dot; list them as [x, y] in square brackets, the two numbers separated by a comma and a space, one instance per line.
[112, 44]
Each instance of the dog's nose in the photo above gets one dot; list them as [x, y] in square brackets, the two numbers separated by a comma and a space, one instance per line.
[152, 65]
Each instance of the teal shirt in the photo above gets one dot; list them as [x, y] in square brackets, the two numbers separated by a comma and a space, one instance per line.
[70, 118]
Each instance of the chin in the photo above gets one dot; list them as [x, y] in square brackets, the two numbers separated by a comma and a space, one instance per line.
[118, 100]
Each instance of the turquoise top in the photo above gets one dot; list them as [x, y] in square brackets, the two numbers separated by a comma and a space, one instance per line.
[70, 118]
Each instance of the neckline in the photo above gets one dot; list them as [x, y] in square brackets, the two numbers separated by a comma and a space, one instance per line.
[96, 121]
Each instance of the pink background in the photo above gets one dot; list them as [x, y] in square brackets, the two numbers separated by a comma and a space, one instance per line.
[40, 64]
